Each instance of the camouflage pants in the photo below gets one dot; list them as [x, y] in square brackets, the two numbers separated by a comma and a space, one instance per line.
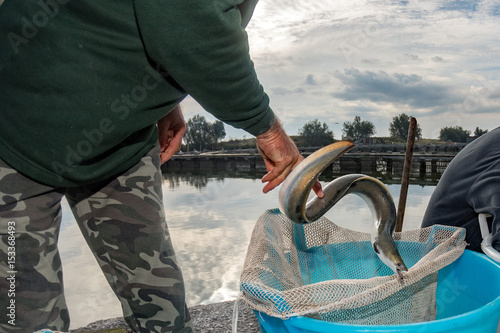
[123, 222]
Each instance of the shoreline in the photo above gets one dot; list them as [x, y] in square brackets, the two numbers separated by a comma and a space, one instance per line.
[209, 318]
[428, 161]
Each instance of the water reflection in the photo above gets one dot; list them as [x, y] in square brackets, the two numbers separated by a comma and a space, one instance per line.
[199, 180]
[210, 218]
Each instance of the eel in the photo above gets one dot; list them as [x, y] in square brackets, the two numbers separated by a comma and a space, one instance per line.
[295, 191]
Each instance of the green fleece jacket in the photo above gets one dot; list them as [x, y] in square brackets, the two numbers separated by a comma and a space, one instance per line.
[82, 83]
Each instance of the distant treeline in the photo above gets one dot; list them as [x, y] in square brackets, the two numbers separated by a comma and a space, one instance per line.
[202, 135]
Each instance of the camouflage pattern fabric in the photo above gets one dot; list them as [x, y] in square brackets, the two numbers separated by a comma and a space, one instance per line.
[30, 268]
[123, 222]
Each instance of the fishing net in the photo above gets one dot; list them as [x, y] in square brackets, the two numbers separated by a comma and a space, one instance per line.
[323, 271]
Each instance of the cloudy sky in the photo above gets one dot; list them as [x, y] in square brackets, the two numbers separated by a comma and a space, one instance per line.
[336, 59]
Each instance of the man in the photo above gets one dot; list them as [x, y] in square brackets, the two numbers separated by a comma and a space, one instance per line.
[470, 185]
[89, 96]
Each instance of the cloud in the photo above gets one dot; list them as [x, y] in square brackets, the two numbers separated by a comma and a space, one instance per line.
[310, 80]
[437, 59]
[381, 87]
[287, 91]
[413, 57]
[333, 60]
[463, 6]
[376, 62]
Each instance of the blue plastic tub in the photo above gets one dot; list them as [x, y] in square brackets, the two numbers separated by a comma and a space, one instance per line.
[468, 301]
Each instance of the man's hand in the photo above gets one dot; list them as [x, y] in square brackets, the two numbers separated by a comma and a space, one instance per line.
[280, 156]
[171, 127]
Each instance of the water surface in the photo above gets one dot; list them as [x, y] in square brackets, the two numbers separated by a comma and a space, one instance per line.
[210, 218]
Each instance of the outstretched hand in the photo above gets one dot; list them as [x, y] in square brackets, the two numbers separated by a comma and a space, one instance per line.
[280, 156]
[171, 127]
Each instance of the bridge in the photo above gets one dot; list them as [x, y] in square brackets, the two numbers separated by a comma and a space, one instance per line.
[385, 159]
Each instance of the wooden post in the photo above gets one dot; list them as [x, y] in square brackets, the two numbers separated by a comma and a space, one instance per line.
[410, 143]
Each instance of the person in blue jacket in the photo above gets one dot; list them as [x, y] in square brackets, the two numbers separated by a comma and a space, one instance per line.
[469, 186]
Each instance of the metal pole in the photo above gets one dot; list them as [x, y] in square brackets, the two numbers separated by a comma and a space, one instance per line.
[410, 143]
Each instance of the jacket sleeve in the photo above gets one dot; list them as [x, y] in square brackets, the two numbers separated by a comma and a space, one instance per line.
[484, 197]
[203, 46]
